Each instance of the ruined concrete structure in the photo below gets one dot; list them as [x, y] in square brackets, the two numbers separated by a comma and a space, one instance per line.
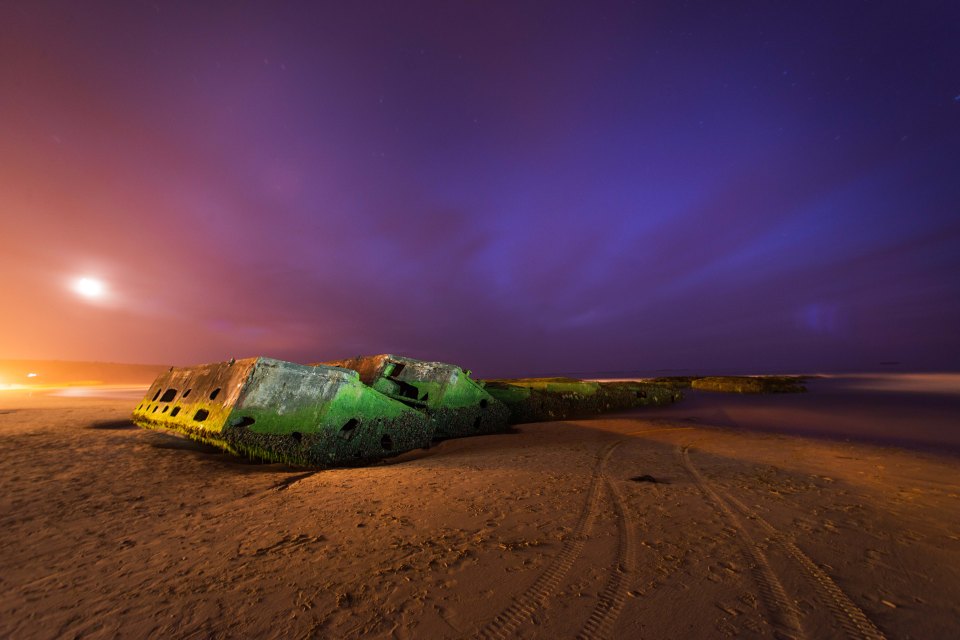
[751, 384]
[279, 411]
[543, 399]
[457, 405]
[736, 384]
[362, 409]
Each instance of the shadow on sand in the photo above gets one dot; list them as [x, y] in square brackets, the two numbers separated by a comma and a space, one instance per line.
[111, 425]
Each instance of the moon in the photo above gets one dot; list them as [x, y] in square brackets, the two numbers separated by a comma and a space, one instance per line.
[90, 288]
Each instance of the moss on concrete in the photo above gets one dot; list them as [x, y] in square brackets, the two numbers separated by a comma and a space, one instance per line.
[367, 408]
[750, 384]
[283, 412]
[674, 382]
[456, 405]
[544, 399]
[736, 384]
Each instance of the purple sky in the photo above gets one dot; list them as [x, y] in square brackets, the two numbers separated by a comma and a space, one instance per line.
[515, 187]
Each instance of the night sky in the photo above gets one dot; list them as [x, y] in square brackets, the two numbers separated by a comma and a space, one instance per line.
[515, 187]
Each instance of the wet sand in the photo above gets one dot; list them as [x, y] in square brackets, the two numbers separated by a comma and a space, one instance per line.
[549, 532]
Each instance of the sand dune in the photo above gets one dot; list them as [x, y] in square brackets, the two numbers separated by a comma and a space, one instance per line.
[649, 525]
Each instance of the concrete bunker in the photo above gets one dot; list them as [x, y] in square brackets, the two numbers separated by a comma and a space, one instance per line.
[284, 412]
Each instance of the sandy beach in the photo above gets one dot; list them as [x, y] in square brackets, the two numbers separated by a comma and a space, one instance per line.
[719, 517]
[654, 304]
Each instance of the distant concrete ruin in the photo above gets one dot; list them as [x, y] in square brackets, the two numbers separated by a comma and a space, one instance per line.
[544, 399]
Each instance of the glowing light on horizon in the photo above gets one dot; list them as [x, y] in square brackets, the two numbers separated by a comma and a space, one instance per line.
[31, 375]
[90, 288]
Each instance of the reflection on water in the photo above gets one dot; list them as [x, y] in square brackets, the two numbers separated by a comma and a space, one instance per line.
[102, 391]
[943, 383]
[919, 411]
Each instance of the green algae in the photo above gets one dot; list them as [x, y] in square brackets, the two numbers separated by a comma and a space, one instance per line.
[456, 405]
[545, 399]
[283, 412]
[750, 384]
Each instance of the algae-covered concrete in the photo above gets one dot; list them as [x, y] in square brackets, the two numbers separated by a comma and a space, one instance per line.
[736, 384]
[543, 399]
[284, 412]
[365, 408]
[750, 384]
[457, 405]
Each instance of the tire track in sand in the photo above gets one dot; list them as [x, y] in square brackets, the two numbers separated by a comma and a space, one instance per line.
[523, 606]
[851, 618]
[613, 597]
[614, 594]
[783, 612]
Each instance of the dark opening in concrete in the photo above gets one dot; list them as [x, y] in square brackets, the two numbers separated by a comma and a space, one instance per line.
[407, 390]
[347, 430]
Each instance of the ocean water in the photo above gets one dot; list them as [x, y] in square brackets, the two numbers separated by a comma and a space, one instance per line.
[918, 411]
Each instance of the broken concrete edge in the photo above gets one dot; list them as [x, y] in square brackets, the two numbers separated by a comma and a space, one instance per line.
[283, 412]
